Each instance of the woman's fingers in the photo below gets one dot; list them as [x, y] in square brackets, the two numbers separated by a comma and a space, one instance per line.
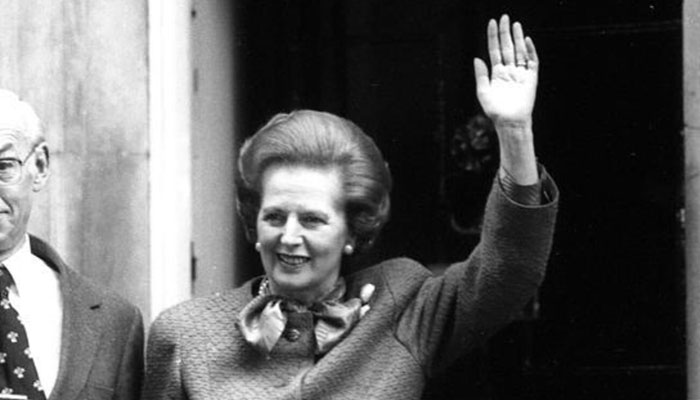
[521, 56]
[494, 46]
[506, 41]
[508, 45]
[533, 62]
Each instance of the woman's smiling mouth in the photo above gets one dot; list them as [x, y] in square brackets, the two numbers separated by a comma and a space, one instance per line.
[292, 260]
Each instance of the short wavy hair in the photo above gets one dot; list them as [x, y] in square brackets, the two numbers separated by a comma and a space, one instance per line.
[318, 139]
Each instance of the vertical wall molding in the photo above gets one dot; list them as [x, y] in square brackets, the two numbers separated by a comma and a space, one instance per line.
[691, 99]
[170, 97]
[214, 147]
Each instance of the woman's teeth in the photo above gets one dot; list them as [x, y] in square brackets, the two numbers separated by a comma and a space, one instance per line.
[292, 260]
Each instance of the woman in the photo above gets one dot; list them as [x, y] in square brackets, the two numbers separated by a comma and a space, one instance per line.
[314, 190]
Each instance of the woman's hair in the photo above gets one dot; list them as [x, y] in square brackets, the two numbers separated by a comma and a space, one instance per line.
[318, 139]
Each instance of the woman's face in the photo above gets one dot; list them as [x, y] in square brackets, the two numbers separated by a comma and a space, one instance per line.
[302, 230]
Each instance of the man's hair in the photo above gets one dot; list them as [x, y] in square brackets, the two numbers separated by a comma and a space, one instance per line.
[318, 140]
[19, 116]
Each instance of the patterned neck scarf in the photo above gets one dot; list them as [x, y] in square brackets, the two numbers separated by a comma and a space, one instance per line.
[263, 320]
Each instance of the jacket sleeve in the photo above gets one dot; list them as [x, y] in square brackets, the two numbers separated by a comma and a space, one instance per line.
[130, 377]
[163, 361]
[453, 313]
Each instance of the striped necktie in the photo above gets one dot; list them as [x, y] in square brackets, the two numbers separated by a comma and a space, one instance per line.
[18, 375]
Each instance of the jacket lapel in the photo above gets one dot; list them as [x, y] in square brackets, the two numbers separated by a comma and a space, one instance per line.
[80, 333]
[80, 336]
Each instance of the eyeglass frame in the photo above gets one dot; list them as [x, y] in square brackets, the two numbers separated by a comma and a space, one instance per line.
[21, 164]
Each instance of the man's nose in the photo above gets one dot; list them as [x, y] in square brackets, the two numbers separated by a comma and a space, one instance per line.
[291, 236]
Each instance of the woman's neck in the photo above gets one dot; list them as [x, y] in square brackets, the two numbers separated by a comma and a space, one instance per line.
[306, 296]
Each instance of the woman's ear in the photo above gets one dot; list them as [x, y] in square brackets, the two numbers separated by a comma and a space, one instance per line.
[41, 167]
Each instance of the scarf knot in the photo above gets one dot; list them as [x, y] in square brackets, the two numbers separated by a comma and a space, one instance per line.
[262, 321]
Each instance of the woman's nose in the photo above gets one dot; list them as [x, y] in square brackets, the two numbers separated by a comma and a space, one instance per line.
[291, 234]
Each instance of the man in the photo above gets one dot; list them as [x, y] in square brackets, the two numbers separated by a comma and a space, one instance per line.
[61, 336]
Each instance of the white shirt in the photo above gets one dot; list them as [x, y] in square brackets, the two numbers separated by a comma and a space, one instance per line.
[37, 298]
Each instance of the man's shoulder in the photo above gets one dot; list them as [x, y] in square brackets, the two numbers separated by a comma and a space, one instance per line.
[80, 288]
[89, 290]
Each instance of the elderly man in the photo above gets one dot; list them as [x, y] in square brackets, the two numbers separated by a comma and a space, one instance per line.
[61, 337]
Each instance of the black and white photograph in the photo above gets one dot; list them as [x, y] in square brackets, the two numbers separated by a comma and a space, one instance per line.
[349, 199]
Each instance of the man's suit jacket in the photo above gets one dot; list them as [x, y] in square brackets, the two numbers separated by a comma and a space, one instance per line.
[102, 338]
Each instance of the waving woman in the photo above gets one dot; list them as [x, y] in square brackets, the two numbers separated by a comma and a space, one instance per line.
[313, 191]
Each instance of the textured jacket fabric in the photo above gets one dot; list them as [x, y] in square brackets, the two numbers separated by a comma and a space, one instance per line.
[418, 323]
[102, 338]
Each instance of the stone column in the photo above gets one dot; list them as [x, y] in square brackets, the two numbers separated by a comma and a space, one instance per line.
[691, 95]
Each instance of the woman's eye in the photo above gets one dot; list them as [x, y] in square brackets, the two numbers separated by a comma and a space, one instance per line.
[312, 220]
[274, 218]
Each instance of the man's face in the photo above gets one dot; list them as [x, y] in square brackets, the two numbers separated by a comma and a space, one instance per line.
[16, 198]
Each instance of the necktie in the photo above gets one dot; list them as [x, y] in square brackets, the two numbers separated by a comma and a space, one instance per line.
[18, 374]
[263, 320]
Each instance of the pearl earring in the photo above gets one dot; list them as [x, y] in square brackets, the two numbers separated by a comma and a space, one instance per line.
[258, 247]
[348, 249]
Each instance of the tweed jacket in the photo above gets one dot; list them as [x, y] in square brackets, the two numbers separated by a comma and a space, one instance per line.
[418, 323]
[102, 338]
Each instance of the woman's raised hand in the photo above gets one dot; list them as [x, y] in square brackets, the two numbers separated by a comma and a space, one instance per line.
[508, 95]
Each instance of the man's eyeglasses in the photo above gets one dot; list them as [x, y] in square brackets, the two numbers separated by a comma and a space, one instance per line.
[11, 168]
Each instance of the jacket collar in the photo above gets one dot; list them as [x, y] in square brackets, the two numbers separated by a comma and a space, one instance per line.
[82, 318]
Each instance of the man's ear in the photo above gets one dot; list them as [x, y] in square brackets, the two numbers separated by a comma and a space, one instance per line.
[41, 167]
